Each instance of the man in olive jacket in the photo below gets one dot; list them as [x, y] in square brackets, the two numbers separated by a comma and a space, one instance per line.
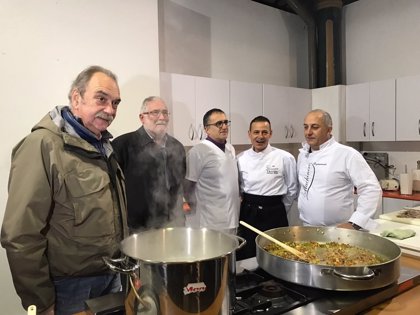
[67, 207]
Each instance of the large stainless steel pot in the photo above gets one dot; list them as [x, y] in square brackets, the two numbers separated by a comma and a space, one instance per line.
[185, 270]
[327, 277]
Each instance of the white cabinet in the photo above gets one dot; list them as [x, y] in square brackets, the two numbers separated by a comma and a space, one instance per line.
[210, 93]
[178, 91]
[245, 105]
[300, 103]
[357, 112]
[188, 99]
[333, 100]
[382, 110]
[370, 111]
[275, 108]
[286, 108]
[408, 109]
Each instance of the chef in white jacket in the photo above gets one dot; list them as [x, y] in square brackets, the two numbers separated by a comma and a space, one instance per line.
[268, 184]
[328, 174]
[212, 185]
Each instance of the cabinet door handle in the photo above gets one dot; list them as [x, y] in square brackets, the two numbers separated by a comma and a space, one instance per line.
[201, 132]
[287, 131]
[191, 132]
[292, 132]
[364, 129]
[373, 129]
[419, 126]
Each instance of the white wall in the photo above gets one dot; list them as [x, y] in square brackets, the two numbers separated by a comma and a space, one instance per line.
[44, 44]
[382, 39]
[236, 39]
[382, 42]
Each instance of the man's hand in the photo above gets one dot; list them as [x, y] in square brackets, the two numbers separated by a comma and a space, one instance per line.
[346, 225]
[186, 207]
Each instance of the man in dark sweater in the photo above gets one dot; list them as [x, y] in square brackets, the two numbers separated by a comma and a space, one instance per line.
[154, 166]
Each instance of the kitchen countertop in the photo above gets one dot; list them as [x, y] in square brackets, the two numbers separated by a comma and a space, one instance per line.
[409, 246]
[396, 195]
[407, 302]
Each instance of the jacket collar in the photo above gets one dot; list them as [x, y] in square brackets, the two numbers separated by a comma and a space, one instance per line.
[307, 148]
[264, 152]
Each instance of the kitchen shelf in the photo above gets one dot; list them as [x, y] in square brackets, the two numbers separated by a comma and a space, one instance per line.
[396, 195]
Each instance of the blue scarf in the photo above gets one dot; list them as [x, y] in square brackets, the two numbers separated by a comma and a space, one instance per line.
[82, 131]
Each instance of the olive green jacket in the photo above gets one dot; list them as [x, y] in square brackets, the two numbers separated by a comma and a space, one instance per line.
[66, 209]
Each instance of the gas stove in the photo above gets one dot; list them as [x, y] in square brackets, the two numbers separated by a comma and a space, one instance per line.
[257, 292]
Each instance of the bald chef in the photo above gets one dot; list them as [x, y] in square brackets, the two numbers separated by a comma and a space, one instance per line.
[268, 184]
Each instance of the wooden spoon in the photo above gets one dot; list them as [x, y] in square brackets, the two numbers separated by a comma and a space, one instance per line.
[285, 246]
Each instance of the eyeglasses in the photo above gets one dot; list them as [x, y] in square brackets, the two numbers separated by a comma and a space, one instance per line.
[220, 123]
[156, 113]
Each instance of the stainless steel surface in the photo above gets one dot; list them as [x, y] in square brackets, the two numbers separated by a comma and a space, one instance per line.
[277, 242]
[355, 302]
[186, 270]
[179, 245]
[354, 278]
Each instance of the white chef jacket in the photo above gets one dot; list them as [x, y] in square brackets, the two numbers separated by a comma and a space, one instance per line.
[271, 172]
[217, 186]
[327, 178]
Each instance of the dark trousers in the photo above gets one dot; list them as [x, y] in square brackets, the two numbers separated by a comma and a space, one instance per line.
[72, 292]
[262, 212]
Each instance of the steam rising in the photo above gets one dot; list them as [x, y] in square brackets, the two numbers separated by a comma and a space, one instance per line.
[154, 178]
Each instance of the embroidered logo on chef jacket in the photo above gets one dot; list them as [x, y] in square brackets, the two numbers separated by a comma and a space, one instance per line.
[194, 288]
[272, 169]
[309, 177]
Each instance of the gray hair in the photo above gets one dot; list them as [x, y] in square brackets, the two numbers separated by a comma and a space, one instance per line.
[149, 99]
[82, 80]
[325, 116]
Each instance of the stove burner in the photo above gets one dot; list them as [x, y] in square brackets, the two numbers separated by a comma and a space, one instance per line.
[259, 293]
[272, 289]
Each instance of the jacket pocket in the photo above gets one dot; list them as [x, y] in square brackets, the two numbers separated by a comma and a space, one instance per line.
[92, 200]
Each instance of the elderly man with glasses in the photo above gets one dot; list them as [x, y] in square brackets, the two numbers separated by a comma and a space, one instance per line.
[212, 178]
[154, 166]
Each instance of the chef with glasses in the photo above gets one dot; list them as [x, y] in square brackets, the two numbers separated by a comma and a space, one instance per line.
[212, 178]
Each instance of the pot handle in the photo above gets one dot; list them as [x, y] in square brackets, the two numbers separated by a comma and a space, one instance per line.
[121, 265]
[241, 240]
[368, 274]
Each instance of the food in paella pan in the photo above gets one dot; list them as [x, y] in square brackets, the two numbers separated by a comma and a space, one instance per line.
[328, 253]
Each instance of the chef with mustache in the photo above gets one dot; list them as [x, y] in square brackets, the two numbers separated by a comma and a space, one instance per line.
[328, 174]
[154, 166]
[268, 184]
